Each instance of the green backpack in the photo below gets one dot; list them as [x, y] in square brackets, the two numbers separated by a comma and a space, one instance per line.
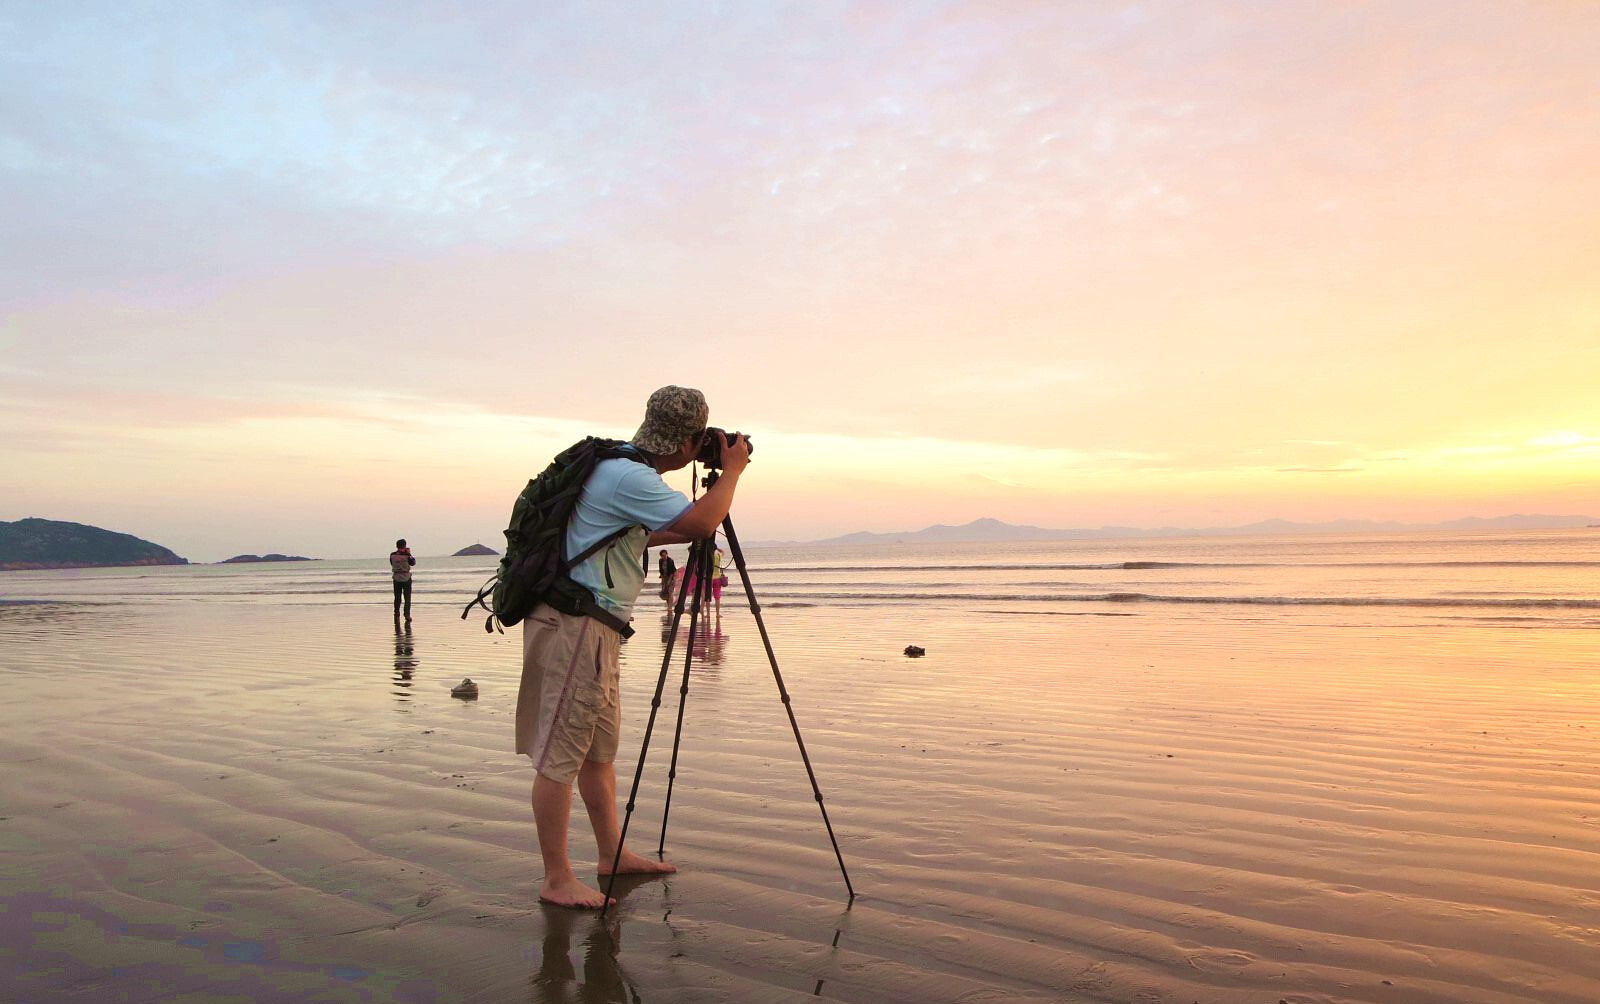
[535, 568]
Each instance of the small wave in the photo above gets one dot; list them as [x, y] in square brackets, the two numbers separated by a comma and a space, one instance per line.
[1018, 566]
[1142, 565]
[1445, 564]
[1373, 601]
[1128, 597]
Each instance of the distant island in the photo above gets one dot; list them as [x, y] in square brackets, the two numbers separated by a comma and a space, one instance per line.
[475, 551]
[981, 530]
[243, 559]
[48, 543]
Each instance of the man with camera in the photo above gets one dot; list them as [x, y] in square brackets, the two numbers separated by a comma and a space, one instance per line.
[400, 564]
[568, 708]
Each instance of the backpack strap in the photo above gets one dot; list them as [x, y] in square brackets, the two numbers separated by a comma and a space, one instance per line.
[581, 600]
[611, 453]
[590, 551]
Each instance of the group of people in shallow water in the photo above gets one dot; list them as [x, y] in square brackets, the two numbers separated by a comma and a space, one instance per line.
[672, 578]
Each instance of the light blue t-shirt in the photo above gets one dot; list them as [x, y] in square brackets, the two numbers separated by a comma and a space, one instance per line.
[617, 494]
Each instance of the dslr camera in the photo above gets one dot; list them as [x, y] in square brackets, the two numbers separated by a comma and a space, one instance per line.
[710, 454]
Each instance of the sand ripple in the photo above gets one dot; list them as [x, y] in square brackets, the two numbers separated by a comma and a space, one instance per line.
[1104, 809]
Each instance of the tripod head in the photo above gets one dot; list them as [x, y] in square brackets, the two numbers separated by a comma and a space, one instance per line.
[711, 476]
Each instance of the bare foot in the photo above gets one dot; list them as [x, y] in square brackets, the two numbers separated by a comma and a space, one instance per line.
[569, 892]
[633, 864]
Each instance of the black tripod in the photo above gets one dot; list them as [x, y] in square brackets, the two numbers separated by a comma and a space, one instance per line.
[698, 571]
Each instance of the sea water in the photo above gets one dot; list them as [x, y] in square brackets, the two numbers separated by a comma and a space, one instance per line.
[1221, 769]
[1526, 578]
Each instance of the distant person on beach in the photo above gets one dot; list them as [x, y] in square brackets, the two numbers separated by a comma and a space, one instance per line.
[400, 562]
[719, 579]
[666, 568]
[568, 713]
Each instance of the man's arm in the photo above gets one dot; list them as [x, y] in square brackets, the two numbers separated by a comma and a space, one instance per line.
[704, 517]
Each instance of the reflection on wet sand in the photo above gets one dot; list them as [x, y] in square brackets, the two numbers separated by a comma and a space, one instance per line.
[709, 639]
[603, 981]
[405, 662]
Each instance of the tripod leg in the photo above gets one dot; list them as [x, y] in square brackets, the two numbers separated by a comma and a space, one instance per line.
[783, 692]
[702, 591]
[644, 746]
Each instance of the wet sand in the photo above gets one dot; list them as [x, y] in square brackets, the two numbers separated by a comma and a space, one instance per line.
[285, 803]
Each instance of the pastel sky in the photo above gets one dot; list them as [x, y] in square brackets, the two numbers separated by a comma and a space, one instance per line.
[308, 277]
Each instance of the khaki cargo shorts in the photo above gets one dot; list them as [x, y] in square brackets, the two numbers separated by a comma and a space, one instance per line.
[568, 707]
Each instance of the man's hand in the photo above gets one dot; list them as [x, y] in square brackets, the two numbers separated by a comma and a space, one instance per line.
[703, 518]
[735, 454]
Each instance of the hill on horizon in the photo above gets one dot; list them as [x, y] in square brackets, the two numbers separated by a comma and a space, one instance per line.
[47, 543]
[990, 529]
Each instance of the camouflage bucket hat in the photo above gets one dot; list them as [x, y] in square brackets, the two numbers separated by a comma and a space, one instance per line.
[672, 415]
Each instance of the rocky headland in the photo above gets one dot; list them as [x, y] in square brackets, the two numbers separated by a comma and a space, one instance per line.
[475, 551]
[48, 543]
[244, 559]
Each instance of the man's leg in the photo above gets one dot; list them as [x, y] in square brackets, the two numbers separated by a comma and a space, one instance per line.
[552, 806]
[597, 782]
[397, 600]
[408, 601]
